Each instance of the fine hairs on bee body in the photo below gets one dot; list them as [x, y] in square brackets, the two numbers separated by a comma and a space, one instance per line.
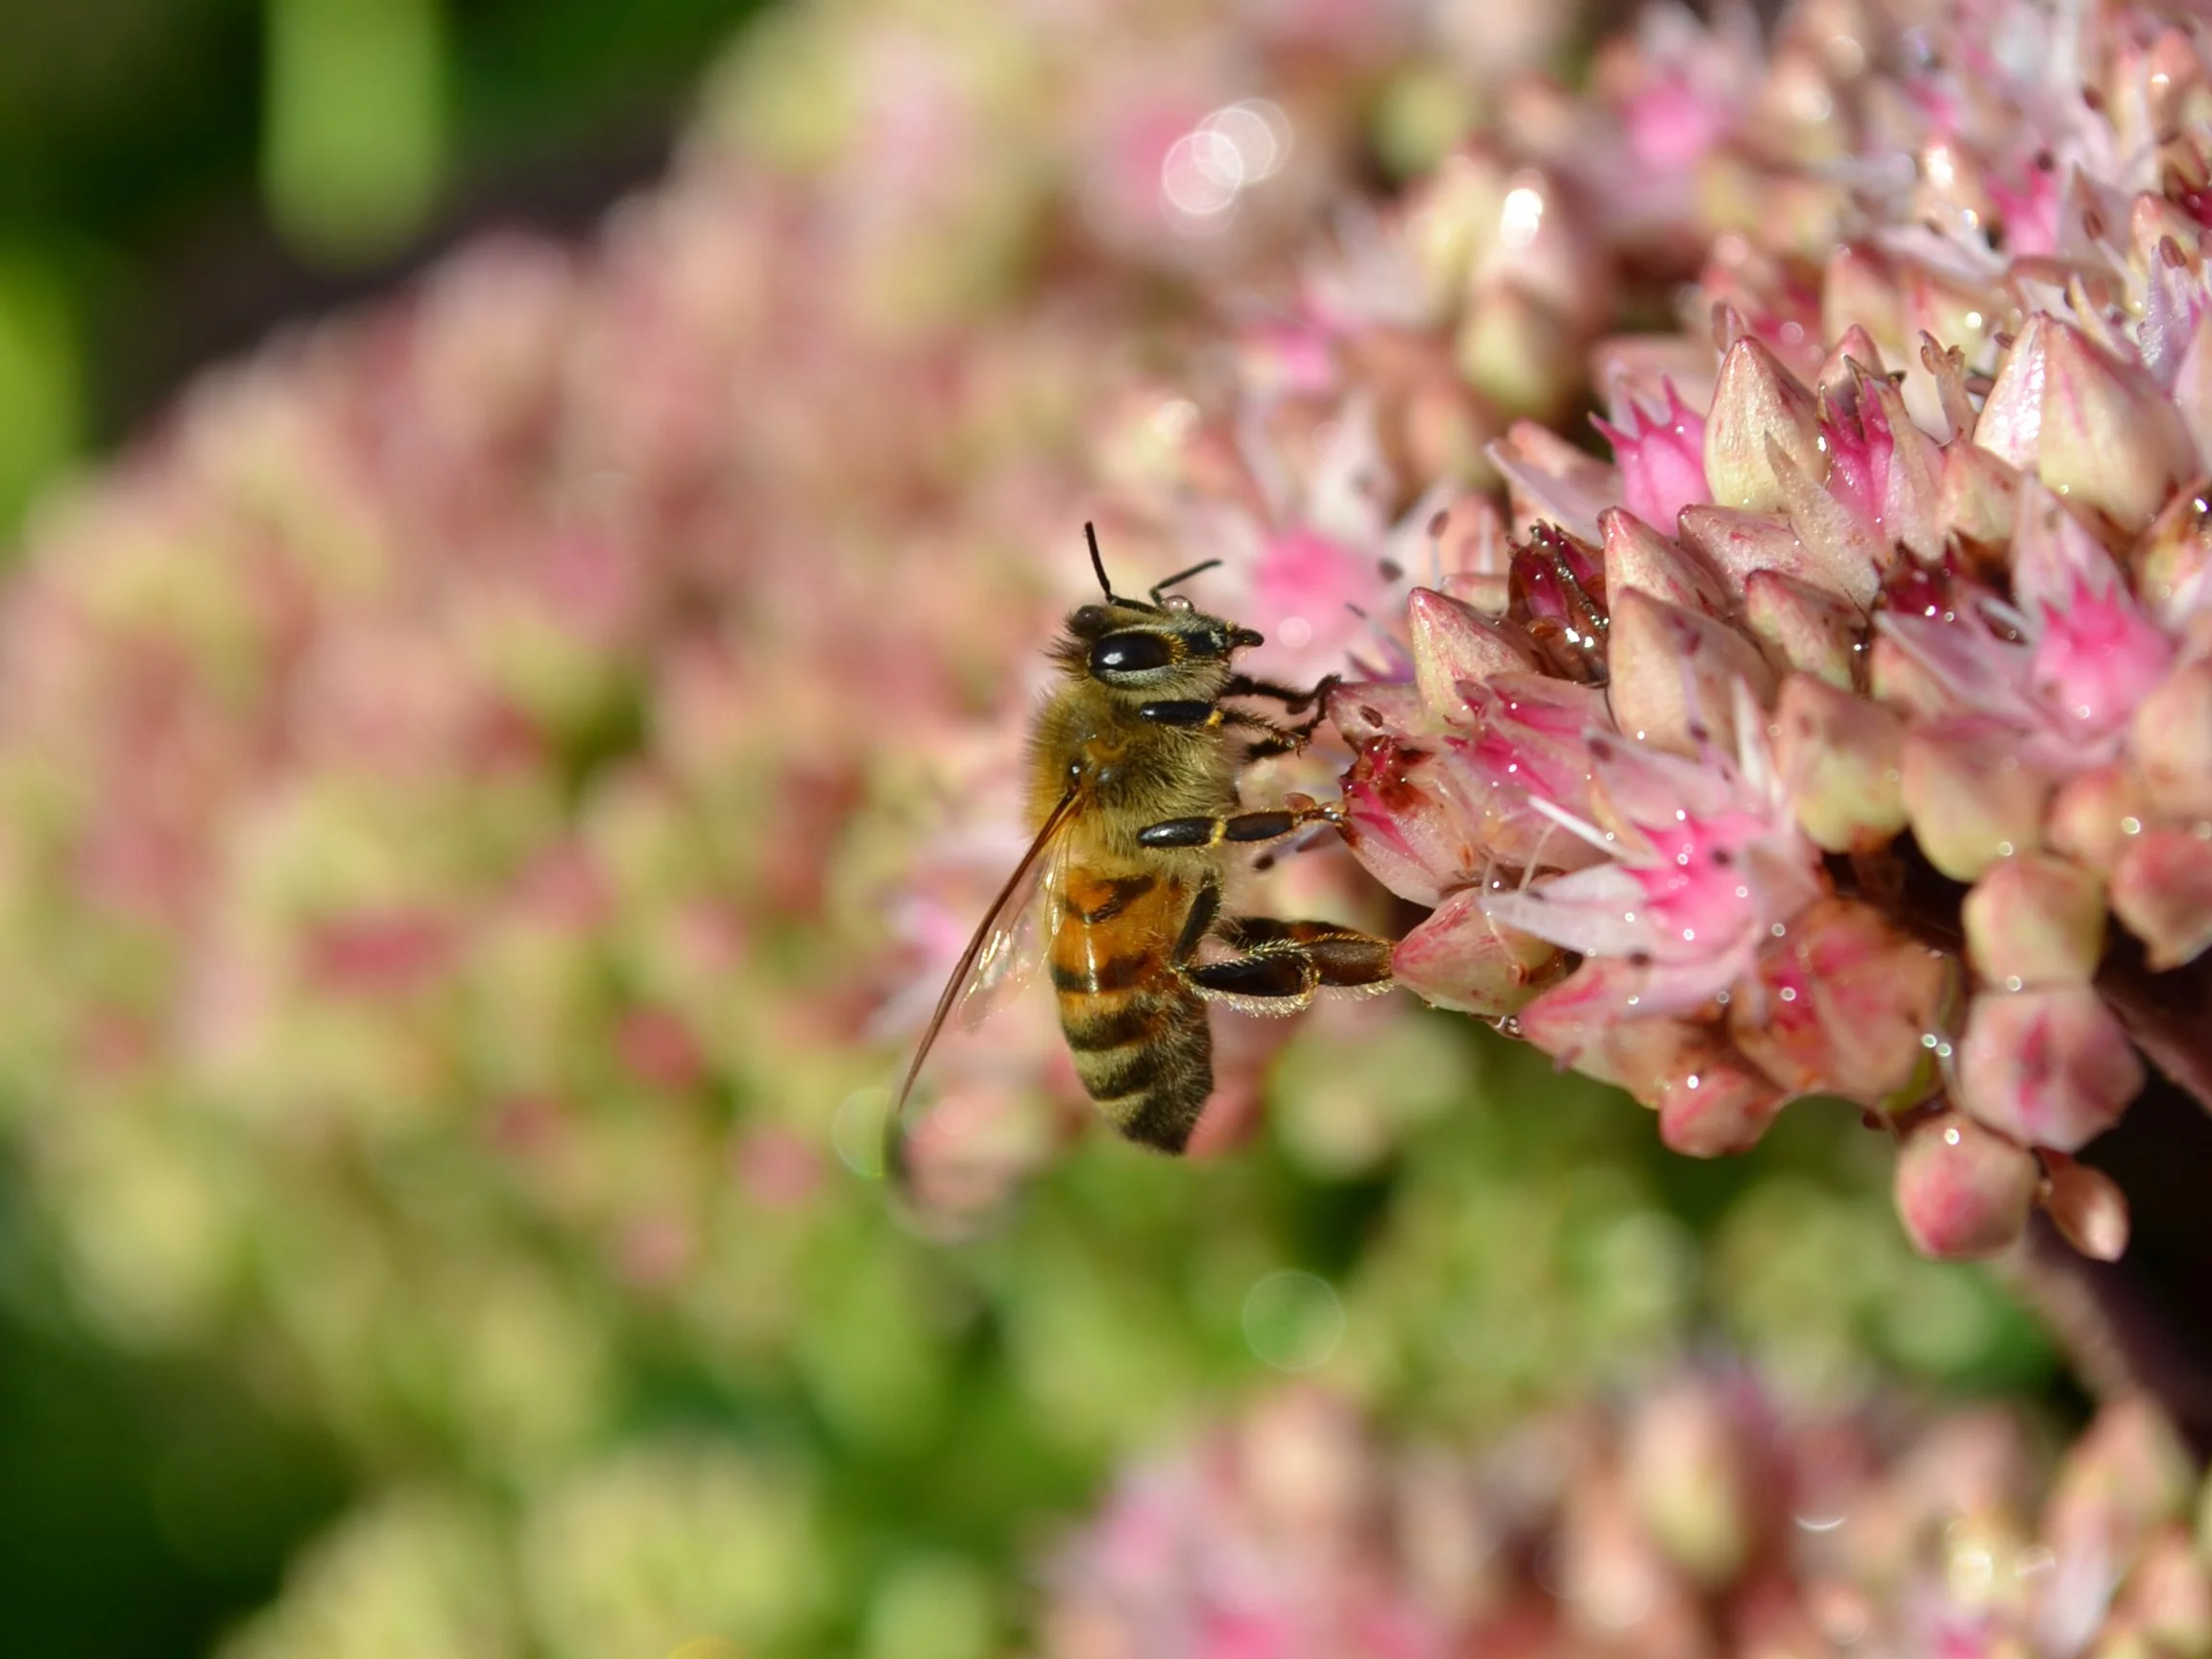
[1132, 797]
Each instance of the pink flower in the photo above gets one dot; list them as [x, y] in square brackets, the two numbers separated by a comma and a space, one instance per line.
[1708, 864]
[1309, 591]
[1661, 456]
[1532, 743]
[2066, 668]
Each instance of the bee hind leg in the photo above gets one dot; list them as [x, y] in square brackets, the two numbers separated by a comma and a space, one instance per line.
[1281, 965]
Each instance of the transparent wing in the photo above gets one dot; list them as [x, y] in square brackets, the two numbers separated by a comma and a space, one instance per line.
[1018, 941]
[1002, 951]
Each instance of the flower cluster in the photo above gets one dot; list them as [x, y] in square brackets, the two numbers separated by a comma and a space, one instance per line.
[1850, 734]
[483, 775]
[1701, 1515]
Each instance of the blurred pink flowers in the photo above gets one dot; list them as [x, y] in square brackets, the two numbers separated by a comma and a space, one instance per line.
[1700, 1515]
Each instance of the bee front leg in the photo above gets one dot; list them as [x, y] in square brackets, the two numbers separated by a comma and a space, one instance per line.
[1291, 699]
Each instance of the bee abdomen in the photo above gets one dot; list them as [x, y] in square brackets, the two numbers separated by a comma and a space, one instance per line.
[1146, 1059]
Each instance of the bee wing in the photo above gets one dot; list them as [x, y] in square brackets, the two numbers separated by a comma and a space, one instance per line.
[1015, 943]
[995, 960]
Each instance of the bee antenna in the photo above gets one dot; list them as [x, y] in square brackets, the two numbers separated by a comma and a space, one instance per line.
[1097, 560]
[1098, 564]
[1161, 586]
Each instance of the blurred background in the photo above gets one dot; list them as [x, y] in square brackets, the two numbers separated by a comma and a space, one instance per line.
[456, 855]
[179, 176]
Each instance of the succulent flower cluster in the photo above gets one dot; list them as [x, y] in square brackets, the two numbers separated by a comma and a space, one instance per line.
[484, 777]
[1703, 1516]
[1850, 733]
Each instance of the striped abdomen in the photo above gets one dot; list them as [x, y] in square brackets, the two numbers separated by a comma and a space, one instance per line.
[1139, 1033]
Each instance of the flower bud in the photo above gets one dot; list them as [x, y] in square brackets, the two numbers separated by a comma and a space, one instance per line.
[1970, 799]
[2193, 390]
[2050, 1068]
[1898, 679]
[1839, 758]
[1588, 1022]
[2096, 430]
[1847, 547]
[1811, 630]
[1846, 1004]
[1718, 1106]
[1638, 556]
[2172, 564]
[1735, 544]
[2096, 813]
[1912, 491]
[1454, 643]
[2035, 920]
[2087, 1205]
[1674, 673]
[2171, 737]
[1519, 353]
[1854, 346]
[1757, 403]
[1459, 958]
[1401, 823]
[1962, 1191]
[1366, 709]
[1979, 496]
[2162, 893]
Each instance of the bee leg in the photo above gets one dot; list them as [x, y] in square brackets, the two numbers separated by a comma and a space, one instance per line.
[1291, 699]
[1183, 712]
[1282, 964]
[1237, 827]
[1293, 740]
[1345, 958]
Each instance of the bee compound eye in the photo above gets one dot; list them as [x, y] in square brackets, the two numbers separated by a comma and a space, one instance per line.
[1132, 651]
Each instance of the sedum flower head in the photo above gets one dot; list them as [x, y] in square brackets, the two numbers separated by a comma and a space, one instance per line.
[1887, 628]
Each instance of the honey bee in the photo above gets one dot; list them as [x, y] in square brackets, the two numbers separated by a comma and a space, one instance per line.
[1132, 795]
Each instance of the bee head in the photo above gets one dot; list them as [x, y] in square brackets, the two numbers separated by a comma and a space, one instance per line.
[1130, 644]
